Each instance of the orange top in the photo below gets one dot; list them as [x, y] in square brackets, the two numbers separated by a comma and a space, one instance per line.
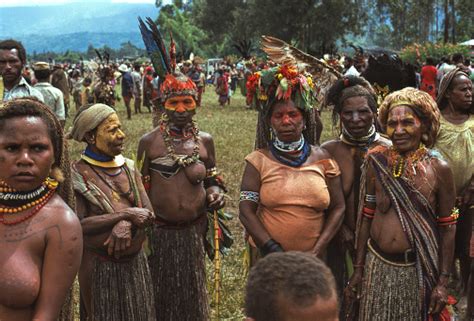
[293, 200]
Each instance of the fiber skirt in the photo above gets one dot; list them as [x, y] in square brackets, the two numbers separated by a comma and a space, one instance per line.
[122, 291]
[178, 271]
[389, 292]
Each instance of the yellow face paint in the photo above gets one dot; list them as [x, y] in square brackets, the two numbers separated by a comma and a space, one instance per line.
[109, 136]
[180, 104]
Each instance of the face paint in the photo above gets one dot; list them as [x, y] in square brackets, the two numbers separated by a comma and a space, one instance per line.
[356, 116]
[109, 136]
[180, 104]
[287, 121]
[404, 128]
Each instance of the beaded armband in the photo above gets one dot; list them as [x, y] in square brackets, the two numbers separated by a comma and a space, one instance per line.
[368, 212]
[212, 179]
[146, 182]
[249, 196]
[449, 220]
[370, 198]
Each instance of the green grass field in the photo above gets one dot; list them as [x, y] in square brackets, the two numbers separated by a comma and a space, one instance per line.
[233, 130]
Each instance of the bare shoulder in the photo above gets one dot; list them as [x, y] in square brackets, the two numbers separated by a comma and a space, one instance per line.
[441, 166]
[383, 141]
[149, 137]
[62, 214]
[331, 145]
[319, 153]
[205, 137]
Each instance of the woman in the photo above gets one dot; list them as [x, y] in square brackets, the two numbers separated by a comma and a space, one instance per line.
[354, 111]
[222, 87]
[289, 184]
[428, 77]
[407, 217]
[40, 235]
[180, 174]
[456, 143]
[114, 211]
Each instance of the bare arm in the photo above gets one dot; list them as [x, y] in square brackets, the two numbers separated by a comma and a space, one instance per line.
[248, 209]
[97, 224]
[61, 261]
[335, 214]
[215, 194]
[446, 200]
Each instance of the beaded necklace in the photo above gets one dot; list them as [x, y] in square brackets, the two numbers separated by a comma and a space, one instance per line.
[286, 158]
[406, 165]
[12, 201]
[293, 147]
[193, 131]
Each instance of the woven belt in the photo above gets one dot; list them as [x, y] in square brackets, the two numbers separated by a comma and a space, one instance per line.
[406, 258]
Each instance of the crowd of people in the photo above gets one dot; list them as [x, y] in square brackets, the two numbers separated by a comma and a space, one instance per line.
[366, 226]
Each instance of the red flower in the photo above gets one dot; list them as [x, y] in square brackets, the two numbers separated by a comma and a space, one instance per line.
[289, 72]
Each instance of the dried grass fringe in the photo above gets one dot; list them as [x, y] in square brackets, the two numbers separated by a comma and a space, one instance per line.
[178, 271]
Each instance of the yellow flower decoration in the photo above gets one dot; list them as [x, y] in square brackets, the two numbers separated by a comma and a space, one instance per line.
[263, 97]
[279, 76]
[310, 81]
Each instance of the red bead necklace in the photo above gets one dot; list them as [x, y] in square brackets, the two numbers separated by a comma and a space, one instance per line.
[35, 211]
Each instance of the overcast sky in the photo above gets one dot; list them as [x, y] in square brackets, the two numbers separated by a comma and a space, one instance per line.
[16, 3]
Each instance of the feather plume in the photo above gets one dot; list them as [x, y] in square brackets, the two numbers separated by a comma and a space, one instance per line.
[281, 52]
[172, 53]
[155, 47]
[98, 55]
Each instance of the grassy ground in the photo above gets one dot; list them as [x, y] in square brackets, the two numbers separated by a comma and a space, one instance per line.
[233, 130]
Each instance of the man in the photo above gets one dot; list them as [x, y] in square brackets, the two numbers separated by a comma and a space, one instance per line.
[137, 88]
[12, 62]
[104, 92]
[53, 97]
[127, 88]
[291, 286]
[114, 211]
[59, 79]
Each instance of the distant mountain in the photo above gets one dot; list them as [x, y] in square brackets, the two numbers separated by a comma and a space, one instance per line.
[74, 26]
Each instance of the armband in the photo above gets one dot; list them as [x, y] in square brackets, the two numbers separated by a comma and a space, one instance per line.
[146, 182]
[449, 220]
[368, 212]
[370, 198]
[271, 246]
[212, 179]
[249, 196]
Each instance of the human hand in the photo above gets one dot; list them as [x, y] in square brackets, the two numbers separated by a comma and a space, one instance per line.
[215, 199]
[353, 289]
[347, 238]
[439, 298]
[119, 239]
[140, 217]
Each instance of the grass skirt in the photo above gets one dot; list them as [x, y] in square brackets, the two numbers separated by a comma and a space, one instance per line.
[178, 271]
[389, 292]
[122, 291]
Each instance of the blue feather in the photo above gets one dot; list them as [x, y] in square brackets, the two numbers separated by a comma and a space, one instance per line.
[155, 47]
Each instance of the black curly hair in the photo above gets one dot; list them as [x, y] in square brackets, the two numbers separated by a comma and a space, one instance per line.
[298, 277]
[347, 87]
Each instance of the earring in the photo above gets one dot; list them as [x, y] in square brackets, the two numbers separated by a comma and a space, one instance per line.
[424, 137]
[272, 133]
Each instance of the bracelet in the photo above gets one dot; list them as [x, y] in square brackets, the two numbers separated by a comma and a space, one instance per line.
[370, 198]
[249, 196]
[446, 274]
[449, 220]
[271, 246]
[358, 265]
[368, 212]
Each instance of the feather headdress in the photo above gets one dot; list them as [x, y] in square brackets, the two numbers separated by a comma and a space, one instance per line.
[323, 74]
[173, 83]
